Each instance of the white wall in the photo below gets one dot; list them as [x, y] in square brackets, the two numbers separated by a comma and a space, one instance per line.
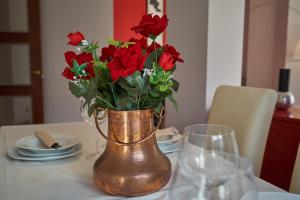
[94, 18]
[187, 31]
[225, 45]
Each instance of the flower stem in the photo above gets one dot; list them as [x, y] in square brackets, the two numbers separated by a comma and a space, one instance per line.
[155, 50]
[138, 101]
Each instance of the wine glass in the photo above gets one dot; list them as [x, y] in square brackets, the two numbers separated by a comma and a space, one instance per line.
[208, 163]
[84, 112]
[91, 121]
[240, 185]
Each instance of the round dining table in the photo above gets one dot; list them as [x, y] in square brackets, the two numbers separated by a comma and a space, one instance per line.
[69, 178]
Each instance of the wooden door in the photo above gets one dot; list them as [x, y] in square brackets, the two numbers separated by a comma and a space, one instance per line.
[265, 37]
[21, 100]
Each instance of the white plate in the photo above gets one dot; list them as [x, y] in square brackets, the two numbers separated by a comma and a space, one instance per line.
[33, 144]
[168, 139]
[13, 153]
[278, 196]
[25, 152]
[169, 148]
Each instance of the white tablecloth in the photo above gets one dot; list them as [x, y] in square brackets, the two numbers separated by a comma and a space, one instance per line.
[62, 179]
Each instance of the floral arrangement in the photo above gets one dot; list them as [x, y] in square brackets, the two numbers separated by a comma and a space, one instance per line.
[129, 75]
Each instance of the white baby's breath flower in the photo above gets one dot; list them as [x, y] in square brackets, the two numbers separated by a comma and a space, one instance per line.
[78, 49]
[147, 72]
[84, 42]
[170, 78]
[75, 81]
[150, 72]
[144, 73]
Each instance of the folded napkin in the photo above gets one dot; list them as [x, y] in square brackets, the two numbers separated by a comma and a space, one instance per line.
[46, 139]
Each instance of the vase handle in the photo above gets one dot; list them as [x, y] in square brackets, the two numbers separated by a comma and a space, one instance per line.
[161, 115]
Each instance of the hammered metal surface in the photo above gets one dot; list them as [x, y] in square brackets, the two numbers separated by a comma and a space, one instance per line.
[131, 170]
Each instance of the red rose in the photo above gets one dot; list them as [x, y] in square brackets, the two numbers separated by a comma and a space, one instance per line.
[151, 25]
[166, 61]
[75, 38]
[82, 58]
[151, 48]
[68, 73]
[174, 53]
[142, 42]
[107, 53]
[126, 61]
[169, 57]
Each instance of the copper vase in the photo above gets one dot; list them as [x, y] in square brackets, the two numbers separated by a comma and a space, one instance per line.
[132, 164]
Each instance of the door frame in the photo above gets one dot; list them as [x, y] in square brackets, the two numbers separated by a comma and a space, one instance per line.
[32, 38]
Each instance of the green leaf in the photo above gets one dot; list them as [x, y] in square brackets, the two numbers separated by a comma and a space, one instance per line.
[149, 61]
[126, 44]
[174, 102]
[102, 71]
[91, 91]
[151, 58]
[125, 103]
[85, 89]
[165, 86]
[158, 107]
[131, 91]
[175, 85]
[137, 81]
[91, 48]
[114, 42]
[155, 91]
[91, 109]
[103, 103]
[159, 76]
[78, 69]
[76, 89]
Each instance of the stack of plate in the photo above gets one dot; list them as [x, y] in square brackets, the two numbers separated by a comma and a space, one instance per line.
[31, 149]
[169, 142]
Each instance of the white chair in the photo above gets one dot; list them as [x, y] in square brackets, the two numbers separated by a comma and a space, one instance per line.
[249, 112]
[295, 183]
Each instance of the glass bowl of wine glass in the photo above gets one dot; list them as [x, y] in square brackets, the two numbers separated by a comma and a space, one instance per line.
[209, 166]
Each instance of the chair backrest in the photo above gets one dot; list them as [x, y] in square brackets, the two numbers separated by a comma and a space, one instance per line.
[295, 183]
[249, 112]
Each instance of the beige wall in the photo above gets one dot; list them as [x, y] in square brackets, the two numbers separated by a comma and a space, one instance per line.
[187, 31]
[94, 18]
[209, 34]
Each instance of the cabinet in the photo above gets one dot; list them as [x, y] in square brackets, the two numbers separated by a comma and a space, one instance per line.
[281, 148]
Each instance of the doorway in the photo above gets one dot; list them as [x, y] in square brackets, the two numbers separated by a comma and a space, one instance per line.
[21, 100]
